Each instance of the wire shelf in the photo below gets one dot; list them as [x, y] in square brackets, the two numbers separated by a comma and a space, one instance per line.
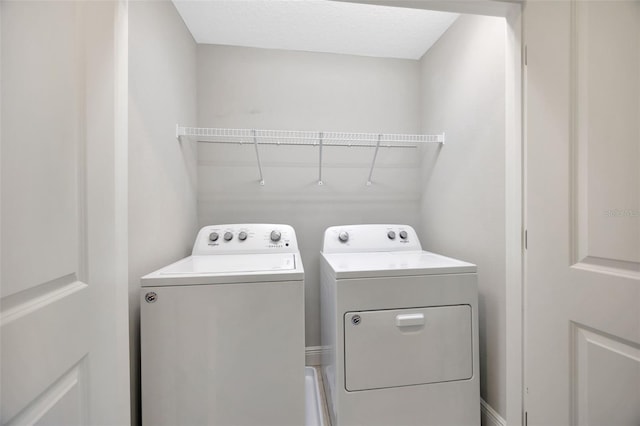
[298, 137]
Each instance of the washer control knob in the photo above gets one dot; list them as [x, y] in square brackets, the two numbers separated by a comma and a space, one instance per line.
[228, 236]
[213, 236]
[403, 235]
[242, 236]
[275, 236]
[391, 235]
[343, 236]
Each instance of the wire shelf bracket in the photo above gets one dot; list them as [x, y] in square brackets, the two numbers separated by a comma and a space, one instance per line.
[320, 161]
[373, 161]
[255, 144]
[297, 138]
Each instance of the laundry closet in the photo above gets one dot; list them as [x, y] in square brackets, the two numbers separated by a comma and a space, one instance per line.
[451, 189]
[529, 172]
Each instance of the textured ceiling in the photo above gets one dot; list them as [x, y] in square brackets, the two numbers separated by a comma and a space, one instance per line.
[315, 26]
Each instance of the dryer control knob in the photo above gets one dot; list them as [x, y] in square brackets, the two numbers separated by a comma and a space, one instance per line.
[275, 236]
[403, 235]
[343, 236]
[391, 235]
[242, 236]
[228, 236]
[213, 236]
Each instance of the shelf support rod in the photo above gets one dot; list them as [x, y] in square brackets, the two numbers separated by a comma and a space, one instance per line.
[373, 162]
[255, 144]
[320, 161]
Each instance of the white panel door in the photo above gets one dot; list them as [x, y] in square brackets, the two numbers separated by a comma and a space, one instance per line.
[63, 311]
[582, 100]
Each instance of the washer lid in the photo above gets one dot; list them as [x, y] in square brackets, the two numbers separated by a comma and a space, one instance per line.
[391, 264]
[231, 268]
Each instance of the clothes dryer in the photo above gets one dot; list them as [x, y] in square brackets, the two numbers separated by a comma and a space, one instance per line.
[399, 329]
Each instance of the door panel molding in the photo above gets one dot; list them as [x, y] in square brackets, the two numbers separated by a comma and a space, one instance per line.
[69, 390]
[18, 305]
[615, 268]
[606, 378]
[38, 347]
[597, 242]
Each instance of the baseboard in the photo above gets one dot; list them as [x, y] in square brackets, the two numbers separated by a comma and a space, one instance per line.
[313, 355]
[489, 416]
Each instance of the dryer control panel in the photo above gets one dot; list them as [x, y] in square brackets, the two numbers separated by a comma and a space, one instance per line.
[245, 238]
[370, 238]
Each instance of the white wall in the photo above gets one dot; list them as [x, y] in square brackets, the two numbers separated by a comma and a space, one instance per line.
[463, 200]
[271, 89]
[162, 173]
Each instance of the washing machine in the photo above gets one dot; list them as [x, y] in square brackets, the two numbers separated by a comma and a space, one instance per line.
[222, 331]
[399, 330]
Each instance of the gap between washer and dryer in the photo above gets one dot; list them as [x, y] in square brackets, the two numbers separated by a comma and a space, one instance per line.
[316, 413]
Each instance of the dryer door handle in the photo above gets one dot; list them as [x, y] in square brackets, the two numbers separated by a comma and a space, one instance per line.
[409, 320]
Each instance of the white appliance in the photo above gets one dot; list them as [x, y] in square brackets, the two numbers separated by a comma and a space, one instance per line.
[222, 331]
[399, 330]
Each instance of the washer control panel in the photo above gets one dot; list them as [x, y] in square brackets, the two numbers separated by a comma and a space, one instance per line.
[367, 238]
[245, 238]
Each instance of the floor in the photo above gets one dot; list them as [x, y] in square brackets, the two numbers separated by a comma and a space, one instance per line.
[323, 401]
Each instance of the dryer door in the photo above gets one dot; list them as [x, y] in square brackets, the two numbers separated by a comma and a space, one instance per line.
[402, 347]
